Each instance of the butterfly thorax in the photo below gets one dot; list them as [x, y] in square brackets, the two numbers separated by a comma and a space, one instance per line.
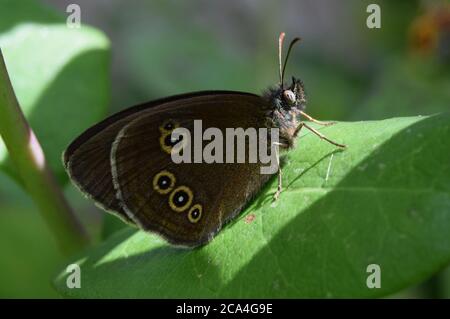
[286, 103]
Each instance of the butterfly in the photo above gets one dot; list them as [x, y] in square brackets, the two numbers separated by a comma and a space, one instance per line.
[124, 162]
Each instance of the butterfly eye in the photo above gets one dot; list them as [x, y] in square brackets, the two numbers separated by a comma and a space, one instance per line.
[289, 96]
[180, 198]
[163, 182]
[195, 213]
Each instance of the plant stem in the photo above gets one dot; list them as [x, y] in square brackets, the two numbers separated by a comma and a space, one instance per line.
[28, 157]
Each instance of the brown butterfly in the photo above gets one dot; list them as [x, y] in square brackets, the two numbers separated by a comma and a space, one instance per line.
[124, 162]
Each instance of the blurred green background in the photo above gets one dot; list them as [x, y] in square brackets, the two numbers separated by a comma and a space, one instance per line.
[160, 48]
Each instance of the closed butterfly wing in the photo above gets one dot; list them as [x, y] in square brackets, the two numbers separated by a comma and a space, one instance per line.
[87, 158]
[185, 203]
[88, 165]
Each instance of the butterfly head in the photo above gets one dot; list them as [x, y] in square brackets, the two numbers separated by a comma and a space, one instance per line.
[294, 95]
[286, 98]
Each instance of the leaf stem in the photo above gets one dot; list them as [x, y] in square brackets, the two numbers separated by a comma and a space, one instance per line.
[27, 155]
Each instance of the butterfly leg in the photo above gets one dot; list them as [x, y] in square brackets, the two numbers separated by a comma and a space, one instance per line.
[309, 117]
[277, 155]
[322, 137]
[298, 129]
[279, 189]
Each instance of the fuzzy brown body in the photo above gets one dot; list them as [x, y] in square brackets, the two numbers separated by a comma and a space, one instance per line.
[285, 114]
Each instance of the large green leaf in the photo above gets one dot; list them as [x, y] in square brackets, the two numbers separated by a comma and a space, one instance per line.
[385, 200]
[60, 75]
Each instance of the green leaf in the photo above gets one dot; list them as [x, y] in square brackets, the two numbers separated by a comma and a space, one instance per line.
[384, 200]
[30, 255]
[60, 75]
[446, 283]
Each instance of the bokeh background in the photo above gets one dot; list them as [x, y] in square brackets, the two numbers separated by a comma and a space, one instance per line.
[161, 48]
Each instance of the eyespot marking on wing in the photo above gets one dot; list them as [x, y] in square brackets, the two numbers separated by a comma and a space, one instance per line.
[195, 213]
[168, 126]
[168, 142]
[180, 198]
[163, 182]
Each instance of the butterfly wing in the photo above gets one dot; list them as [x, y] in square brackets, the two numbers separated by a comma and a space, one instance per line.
[89, 167]
[87, 158]
[185, 203]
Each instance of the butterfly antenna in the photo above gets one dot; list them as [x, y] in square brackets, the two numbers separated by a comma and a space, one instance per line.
[280, 49]
[286, 59]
